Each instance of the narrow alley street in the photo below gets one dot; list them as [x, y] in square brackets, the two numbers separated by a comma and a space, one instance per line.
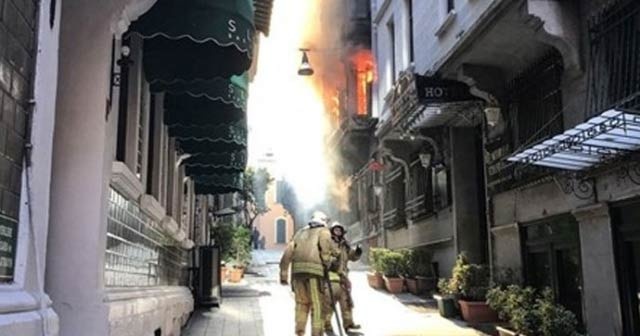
[259, 306]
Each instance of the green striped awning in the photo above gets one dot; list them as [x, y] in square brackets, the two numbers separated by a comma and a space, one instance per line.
[196, 39]
[205, 102]
[211, 163]
[218, 183]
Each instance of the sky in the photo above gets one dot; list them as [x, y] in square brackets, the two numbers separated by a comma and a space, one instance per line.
[286, 114]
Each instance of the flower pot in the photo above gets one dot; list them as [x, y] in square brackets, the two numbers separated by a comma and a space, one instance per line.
[477, 312]
[394, 285]
[506, 332]
[235, 275]
[446, 306]
[425, 284]
[412, 286]
[375, 280]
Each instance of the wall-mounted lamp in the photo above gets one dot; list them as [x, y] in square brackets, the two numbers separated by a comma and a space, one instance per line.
[377, 189]
[493, 115]
[305, 68]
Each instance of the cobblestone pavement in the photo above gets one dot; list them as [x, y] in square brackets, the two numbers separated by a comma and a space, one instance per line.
[259, 306]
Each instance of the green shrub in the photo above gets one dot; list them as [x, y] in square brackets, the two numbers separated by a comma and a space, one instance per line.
[392, 263]
[408, 266]
[375, 257]
[555, 320]
[531, 313]
[469, 281]
[241, 245]
[444, 287]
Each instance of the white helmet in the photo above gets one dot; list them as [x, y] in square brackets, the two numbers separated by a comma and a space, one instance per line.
[319, 217]
[337, 225]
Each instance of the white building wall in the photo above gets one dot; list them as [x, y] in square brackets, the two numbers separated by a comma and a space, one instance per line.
[434, 37]
[25, 309]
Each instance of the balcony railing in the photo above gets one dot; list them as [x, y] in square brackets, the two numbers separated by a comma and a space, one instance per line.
[418, 207]
[393, 219]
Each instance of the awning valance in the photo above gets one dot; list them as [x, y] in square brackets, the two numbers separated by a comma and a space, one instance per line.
[218, 183]
[196, 39]
[226, 91]
[207, 164]
[611, 134]
[194, 139]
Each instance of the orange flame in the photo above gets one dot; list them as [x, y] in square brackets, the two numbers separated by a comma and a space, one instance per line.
[364, 65]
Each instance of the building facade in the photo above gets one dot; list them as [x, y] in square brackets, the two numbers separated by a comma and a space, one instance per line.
[111, 159]
[508, 130]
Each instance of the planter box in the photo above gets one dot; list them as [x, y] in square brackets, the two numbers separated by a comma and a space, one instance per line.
[477, 312]
[412, 286]
[394, 285]
[446, 306]
[375, 280]
[506, 332]
[426, 284]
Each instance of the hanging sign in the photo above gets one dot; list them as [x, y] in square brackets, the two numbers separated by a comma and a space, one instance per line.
[438, 90]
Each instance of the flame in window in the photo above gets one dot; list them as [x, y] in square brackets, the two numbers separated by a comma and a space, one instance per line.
[364, 66]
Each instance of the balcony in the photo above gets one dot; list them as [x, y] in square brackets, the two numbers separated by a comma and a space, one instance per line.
[394, 219]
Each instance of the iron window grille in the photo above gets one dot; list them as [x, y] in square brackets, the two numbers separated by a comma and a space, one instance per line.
[614, 69]
[138, 254]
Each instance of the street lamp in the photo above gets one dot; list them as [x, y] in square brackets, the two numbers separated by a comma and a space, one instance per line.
[305, 68]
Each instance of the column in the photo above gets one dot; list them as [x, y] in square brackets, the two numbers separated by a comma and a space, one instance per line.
[600, 284]
[468, 217]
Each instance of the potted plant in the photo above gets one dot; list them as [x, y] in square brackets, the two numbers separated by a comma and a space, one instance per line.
[235, 272]
[530, 313]
[446, 299]
[472, 283]
[515, 305]
[375, 278]
[409, 270]
[392, 266]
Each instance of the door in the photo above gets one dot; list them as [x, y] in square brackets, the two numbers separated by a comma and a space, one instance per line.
[552, 259]
[281, 231]
[627, 240]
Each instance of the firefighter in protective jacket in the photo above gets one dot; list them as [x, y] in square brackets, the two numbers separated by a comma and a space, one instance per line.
[311, 253]
[340, 283]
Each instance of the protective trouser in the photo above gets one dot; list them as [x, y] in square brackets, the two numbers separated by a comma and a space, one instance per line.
[309, 295]
[341, 296]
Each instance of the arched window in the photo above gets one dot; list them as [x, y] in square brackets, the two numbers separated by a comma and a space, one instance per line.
[281, 231]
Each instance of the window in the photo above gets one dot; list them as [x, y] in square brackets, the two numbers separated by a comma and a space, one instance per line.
[614, 36]
[409, 6]
[420, 191]
[535, 101]
[281, 231]
[394, 198]
[552, 259]
[451, 5]
[392, 51]
[133, 134]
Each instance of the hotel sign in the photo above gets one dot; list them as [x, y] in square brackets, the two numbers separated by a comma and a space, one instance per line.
[438, 90]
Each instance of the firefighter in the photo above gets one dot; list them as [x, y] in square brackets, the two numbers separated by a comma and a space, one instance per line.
[340, 280]
[311, 253]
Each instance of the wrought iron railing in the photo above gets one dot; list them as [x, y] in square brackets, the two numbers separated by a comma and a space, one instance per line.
[138, 253]
[419, 207]
[614, 73]
[393, 218]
